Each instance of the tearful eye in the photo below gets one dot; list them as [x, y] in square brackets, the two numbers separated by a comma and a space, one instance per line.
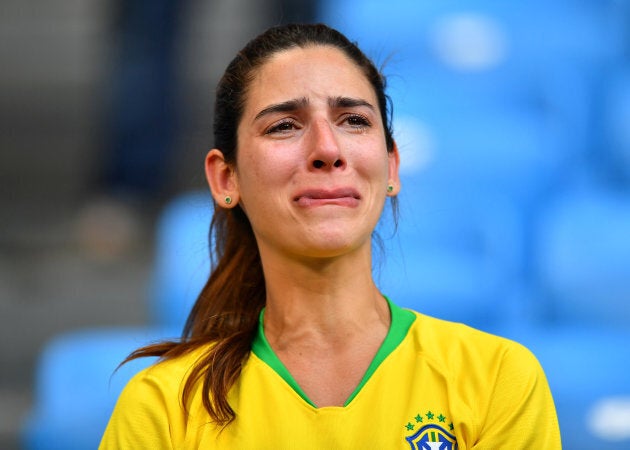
[281, 127]
[358, 121]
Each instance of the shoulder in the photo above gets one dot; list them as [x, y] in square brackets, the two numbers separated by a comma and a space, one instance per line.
[149, 411]
[458, 348]
[498, 384]
[158, 387]
[165, 381]
[167, 375]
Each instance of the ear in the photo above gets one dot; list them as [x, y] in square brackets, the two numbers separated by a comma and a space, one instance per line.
[222, 179]
[393, 179]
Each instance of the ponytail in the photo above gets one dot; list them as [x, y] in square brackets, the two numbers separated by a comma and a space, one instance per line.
[224, 317]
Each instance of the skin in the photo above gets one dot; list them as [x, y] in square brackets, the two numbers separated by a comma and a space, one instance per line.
[312, 173]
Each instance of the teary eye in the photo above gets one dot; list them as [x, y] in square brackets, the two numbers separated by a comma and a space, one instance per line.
[281, 127]
[358, 121]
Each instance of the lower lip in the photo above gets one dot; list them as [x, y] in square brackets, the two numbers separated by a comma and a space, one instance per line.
[348, 202]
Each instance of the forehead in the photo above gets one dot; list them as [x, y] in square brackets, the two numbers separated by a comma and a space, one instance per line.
[311, 72]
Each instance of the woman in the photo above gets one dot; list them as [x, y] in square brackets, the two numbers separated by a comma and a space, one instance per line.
[291, 344]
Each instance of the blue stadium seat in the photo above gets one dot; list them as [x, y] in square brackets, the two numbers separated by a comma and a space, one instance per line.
[587, 370]
[182, 258]
[583, 256]
[533, 33]
[510, 150]
[76, 385]
[443, 45]
[616, 127]
[456, 255]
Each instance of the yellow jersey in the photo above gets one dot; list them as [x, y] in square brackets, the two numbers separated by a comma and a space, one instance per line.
[432, 385]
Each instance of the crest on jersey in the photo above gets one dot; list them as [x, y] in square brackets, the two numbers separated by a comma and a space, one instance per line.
[429, 432]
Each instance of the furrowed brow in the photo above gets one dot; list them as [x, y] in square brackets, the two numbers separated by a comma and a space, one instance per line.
[288, 106]
[348, 102]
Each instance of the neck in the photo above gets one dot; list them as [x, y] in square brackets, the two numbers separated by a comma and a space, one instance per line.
[327, 302]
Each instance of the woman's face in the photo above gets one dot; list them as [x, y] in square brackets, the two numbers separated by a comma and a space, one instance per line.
[312, 167]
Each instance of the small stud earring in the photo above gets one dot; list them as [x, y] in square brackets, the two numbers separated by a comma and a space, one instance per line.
[390, 188]
[228, 200]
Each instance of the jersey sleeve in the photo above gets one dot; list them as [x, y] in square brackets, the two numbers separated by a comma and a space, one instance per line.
[521, 413]
[140, 418]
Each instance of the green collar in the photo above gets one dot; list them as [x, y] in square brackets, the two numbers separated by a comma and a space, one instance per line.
[401, 321]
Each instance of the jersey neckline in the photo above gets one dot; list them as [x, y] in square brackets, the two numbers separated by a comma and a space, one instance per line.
[401, 320]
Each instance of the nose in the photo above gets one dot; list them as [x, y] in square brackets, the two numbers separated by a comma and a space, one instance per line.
[325, 152]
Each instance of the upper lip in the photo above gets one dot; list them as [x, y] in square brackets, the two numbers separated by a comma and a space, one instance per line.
[342, 192]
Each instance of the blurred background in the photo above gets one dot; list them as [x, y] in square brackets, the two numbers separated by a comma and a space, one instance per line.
[513, 123]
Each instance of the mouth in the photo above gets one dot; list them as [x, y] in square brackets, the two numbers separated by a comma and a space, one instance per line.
[348, 197]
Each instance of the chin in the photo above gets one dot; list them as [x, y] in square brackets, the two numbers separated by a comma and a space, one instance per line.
[332, 245]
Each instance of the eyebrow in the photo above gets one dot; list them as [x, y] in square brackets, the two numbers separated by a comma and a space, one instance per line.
[299, 103]
[288, 106]
[348, 102]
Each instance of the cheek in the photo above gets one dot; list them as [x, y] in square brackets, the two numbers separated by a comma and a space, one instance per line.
[376, 167]
[261, 173]
[369, 154]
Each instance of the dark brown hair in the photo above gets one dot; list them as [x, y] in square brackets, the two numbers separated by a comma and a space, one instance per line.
[227, 310]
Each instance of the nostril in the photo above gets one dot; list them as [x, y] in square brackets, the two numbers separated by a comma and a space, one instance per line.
[338, 163]
[318, 164]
